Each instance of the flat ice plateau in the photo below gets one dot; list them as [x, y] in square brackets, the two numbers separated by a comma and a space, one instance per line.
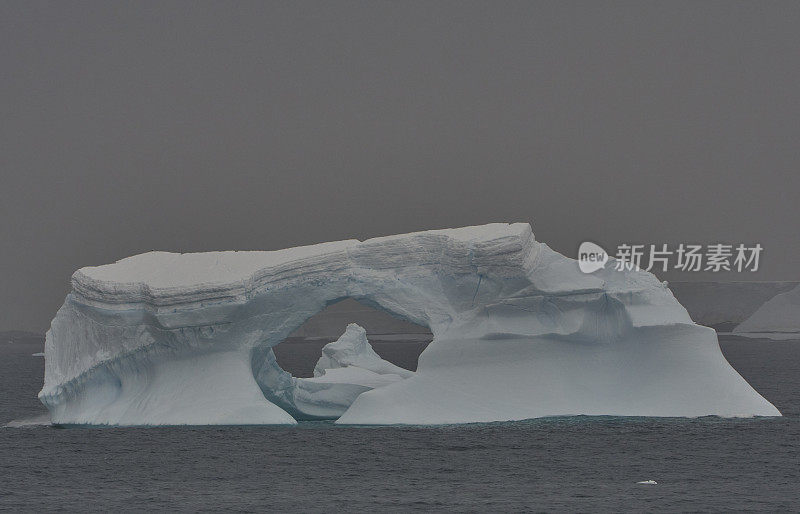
[519, 332]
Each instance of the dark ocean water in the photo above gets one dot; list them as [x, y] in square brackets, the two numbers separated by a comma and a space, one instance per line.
[559, 464]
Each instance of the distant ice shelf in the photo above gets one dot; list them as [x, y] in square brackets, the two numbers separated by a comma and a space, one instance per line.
[518, 332]
[778, 318]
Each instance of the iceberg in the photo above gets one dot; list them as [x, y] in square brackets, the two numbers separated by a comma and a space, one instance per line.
[352, 350]
[778, 318]
[518, 332]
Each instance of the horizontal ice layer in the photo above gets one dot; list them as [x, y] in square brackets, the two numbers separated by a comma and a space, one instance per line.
[778, 318]
[518, 332]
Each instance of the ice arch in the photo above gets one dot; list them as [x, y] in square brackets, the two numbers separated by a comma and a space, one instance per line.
[519, 332]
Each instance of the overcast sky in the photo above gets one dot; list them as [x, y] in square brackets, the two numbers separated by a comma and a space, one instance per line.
[191, 126]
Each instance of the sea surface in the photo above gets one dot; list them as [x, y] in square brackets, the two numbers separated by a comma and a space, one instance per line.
[556, 464]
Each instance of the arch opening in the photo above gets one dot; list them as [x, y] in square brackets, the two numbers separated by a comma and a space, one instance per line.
[395, 340]
[346, 349]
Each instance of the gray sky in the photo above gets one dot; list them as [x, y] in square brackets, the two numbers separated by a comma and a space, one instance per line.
[190, 126]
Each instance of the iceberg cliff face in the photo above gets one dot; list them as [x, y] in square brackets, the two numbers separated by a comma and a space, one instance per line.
[519, 332]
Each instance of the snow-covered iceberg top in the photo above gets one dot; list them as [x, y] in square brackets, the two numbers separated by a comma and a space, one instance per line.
[519, 332]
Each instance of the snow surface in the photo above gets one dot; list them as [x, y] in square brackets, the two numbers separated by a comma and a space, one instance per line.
[779, 318]
[519, 332]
